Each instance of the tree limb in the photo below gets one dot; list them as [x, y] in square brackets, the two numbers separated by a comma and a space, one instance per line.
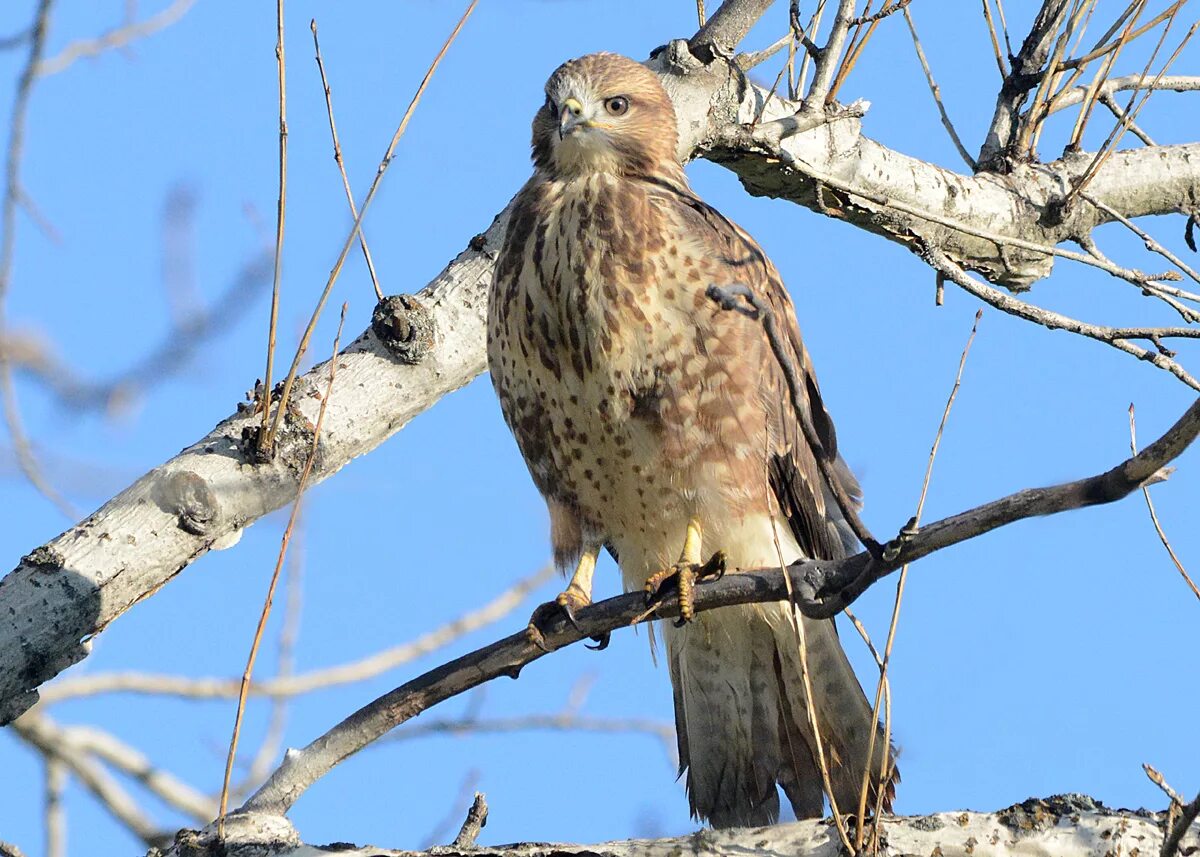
[1071, 825]
[821, 588]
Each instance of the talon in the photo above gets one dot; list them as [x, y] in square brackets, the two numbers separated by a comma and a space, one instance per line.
[601, 641]
[683, 576]
[535, 636]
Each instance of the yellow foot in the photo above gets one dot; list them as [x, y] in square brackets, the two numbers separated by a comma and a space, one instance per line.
[683, 576]
[565, 604]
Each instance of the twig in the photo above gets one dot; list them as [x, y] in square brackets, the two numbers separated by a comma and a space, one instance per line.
[55, 811]
[283, 546]
[564, 722]
[116, 38]
[26, 459]
[264, 437]
[823, 588]
[726, 298]
[826, 67]
[1116, 110]
[462, 805]
[991, 25]
[285, 660]
[42, 734]
[1158, 780]
[1131, 112]
[912, 526]
[355, 229]
[1116, 337]
[130, 761]
[1150, 243]
[1162, 536]
[937, 94]
[1174, 836]
[354, 671]
[700, 15]
[477, 815]
[337, 156]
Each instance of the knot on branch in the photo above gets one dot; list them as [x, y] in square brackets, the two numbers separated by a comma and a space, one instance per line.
[187, 495]
[404, 326]
[44, 558]
[241, 833]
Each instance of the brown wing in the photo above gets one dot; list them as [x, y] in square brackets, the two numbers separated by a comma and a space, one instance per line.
[796, 480]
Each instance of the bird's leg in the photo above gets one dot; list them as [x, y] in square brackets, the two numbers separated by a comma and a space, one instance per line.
[684, 574]
[577, 595]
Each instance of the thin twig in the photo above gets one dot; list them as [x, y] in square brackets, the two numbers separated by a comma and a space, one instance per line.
[1162, 536]
[283, 546]
[355, 229]
[39, 732]
[462, 805]
[991, 25]
[263, 443]
[1158, 779]
[55, 811]
[26, 459]
[117, 38]
[150, 684]
[937, 94]
[337, 156]
[912, 526]
[1116, 337]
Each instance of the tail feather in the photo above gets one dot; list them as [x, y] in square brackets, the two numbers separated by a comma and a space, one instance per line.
[741, 715]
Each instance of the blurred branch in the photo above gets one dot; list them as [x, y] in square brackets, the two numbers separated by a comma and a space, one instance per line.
[8, 245]
[348, 673]
[52, 742]
[821, 589]
[119, 37]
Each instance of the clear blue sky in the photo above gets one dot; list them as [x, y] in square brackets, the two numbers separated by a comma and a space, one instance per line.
[1055, 655]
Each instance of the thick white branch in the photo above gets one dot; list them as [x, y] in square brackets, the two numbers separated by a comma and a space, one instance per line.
[1066, 826]
[70, 588]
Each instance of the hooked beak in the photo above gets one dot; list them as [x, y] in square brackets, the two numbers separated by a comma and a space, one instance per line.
[570, 118]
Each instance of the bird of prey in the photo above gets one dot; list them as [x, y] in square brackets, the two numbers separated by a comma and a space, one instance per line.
[660, 425]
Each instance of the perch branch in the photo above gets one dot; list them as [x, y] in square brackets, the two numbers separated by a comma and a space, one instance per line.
[822, 588]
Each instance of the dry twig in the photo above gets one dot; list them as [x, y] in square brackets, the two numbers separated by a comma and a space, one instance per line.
[1162, 537]
[283, 547]
[356, 228]
[337, 156]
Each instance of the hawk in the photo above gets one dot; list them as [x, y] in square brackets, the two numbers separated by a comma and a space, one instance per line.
[660, 426]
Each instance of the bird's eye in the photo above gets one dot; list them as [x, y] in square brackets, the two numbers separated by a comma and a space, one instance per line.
[618, 105]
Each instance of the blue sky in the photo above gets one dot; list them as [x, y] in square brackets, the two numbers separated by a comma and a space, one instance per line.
[1054, 655]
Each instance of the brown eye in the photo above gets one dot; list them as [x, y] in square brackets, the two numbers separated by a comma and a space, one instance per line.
[618, 105]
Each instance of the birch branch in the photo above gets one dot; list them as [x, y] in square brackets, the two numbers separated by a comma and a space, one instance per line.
[1070, 825]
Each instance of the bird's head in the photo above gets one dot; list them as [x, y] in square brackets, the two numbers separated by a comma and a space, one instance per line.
[604, 113]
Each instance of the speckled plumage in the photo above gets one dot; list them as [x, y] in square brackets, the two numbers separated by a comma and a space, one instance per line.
[640, 405]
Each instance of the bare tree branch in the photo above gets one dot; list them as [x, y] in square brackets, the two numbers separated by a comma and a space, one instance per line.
[725, 30]
[1071, 825]
[820, 588]
[119, 37]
